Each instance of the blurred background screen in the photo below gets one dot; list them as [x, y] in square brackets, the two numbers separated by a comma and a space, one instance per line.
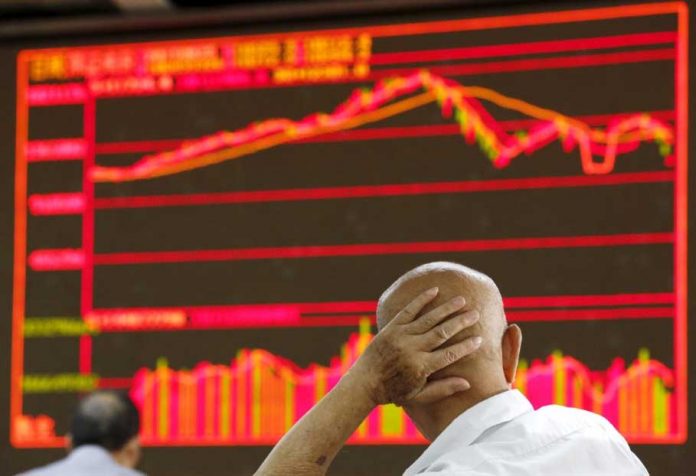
[205, 217]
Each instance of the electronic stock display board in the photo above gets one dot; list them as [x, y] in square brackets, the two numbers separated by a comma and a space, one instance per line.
[206, 219]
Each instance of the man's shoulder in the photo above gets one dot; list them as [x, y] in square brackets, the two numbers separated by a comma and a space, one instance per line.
[570, 411]
[569, 419]
[69, 467]
[540, 450]
[540, 442]
[51, 469]
[60, 469]
[555, 435]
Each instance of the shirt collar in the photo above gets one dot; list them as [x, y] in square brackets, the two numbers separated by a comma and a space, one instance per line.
[92, 453]
[468, 426]
[95, 455]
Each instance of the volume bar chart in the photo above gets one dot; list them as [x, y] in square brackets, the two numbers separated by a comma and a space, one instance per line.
[258, 397]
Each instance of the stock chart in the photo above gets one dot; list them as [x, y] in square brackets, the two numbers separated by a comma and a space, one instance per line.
[207, 222]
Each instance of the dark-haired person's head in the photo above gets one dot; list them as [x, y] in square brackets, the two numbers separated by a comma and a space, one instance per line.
[110, 420]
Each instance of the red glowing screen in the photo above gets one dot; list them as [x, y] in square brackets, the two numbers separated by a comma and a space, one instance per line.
[218, 215]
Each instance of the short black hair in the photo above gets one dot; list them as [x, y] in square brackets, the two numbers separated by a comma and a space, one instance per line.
[105, 418]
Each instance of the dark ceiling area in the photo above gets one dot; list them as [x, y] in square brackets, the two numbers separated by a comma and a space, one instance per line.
[36, 9]
[41, 18]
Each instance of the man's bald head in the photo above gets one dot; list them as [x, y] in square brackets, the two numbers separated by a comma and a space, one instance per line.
[491, 369]
[452, 279]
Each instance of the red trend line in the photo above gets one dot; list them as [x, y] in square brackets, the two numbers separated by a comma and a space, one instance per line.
[395, 96]
[376, 133]
[294, 252]
[432, 130]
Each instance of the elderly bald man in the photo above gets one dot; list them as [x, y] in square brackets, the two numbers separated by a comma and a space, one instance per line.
[446, 353]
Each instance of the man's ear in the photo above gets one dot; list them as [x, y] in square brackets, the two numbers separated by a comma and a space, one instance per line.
[512, 342]
[133, 452]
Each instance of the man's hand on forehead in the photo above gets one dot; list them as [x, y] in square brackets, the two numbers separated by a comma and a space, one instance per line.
[396, 365]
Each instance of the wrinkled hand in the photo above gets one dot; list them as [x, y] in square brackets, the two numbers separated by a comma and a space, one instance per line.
[397, 363]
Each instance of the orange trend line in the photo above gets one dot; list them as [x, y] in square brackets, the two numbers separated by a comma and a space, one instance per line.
[285, 137]
[385, 100]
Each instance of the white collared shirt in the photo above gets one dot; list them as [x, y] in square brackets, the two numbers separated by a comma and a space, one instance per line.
[86, 460]
[504, 435]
